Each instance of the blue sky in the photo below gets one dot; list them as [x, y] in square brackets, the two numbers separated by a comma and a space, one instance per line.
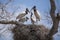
[41, 4]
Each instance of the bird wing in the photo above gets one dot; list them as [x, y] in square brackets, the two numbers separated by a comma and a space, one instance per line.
[34, 18]
[37, 14]
[22, 20]
[20, 15]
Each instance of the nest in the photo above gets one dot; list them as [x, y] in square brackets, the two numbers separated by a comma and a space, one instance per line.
[30, 32]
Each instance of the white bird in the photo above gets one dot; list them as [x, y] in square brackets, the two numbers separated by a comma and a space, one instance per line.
[23, 19]
[33, 19]
[36, 13]
[23, 14]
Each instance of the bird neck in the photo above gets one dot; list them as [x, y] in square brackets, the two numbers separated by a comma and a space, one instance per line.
[26, 12]
[34, 9]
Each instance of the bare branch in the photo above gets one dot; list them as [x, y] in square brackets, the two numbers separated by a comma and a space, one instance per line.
[15, 10]
[54, 28]
[53, 8]
[8, 2]
[9, 22]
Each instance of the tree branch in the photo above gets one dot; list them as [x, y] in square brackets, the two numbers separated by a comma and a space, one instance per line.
[8, 2]
[54, 28]
[9, 22]
[52, 10]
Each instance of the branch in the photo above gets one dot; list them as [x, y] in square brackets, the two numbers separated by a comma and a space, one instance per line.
[54, 28]
[8, 2]
[52, 10]
[15, 10]
[9, 22]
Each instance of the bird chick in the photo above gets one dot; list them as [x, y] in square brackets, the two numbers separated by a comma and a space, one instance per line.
[23, 19]
[36, 13]
[33, 19]
[22, 14]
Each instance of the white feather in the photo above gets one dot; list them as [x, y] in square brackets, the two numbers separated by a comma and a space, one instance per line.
[38, 13]
[34, 18]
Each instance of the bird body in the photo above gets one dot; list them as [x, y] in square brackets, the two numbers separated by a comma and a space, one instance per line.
[21, 15]
[23, 19]
[33, 19]
[36, 13]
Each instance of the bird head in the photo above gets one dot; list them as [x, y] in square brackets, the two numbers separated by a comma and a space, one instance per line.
[34, 7]
[27, 10]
